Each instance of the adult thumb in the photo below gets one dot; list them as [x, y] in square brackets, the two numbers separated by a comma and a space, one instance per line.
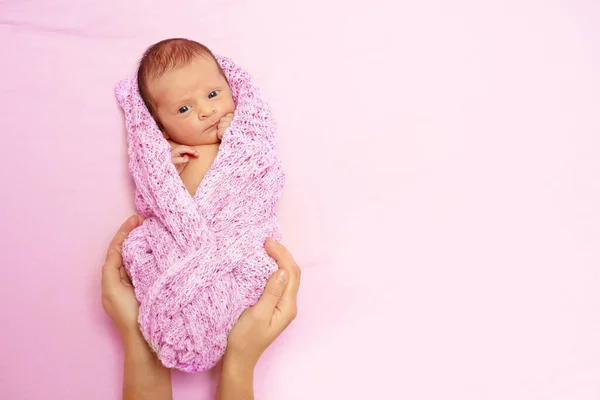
[272, 294]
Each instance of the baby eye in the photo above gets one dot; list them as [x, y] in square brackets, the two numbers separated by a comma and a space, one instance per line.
[183, 109]
[212, 94]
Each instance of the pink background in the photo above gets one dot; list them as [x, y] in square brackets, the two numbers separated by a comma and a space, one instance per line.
[443, 195]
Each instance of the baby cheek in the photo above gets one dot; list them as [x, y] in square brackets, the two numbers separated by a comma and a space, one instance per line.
[193, 126]
[230, 106]
[186, 129]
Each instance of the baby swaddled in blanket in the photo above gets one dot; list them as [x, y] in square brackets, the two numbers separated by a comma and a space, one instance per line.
[202, 154]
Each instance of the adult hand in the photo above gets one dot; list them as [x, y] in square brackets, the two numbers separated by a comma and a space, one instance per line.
[261, 324]
[144, 377]
[118, 298]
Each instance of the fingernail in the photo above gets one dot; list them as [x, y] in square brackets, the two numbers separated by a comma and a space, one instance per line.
[282, 276]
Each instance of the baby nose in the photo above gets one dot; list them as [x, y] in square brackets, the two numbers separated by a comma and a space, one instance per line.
[206, 111]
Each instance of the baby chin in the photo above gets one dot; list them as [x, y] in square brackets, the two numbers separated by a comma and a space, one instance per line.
[210, 135]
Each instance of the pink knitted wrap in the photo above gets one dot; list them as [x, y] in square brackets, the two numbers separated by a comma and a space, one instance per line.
[197, 262]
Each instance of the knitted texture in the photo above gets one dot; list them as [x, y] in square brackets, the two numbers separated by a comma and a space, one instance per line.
[197, 262]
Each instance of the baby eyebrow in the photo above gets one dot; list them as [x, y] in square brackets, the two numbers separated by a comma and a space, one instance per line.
[183, 101]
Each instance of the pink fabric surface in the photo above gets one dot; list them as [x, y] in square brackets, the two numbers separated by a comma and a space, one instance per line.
[198, 262]
[442, 194]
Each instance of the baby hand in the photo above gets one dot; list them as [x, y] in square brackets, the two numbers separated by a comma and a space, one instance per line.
[224, 124]
[180, 156]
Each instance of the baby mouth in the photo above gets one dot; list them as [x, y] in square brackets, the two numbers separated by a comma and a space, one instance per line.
[211, 127]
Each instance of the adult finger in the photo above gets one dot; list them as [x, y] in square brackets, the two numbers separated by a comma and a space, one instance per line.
[265, 306]
[110, 270]
[284, 259]
[288, 302]
[117, 242]
[124, 277]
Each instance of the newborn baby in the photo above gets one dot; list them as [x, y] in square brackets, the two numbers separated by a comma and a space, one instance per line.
[187, 93]
[198, 261]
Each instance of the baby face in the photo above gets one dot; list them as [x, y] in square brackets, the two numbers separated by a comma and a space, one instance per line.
[191, 100]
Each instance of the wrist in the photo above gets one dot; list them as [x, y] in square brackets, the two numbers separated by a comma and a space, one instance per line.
[136, 348]
[131, 336]
[238, 365]
[237, 379]
[144, 376]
